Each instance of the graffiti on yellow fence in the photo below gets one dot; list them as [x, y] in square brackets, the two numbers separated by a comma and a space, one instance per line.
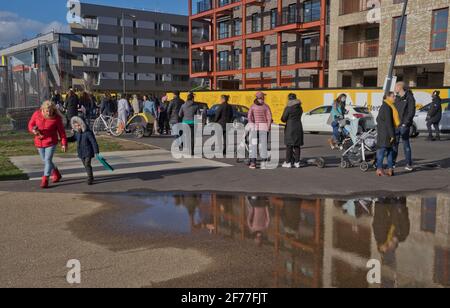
[311, 99]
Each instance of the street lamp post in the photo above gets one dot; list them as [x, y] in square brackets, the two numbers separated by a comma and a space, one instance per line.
[124, 81]
[397, 44]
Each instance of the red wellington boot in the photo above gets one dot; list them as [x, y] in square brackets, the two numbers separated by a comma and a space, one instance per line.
[44, 182]
[56, 176]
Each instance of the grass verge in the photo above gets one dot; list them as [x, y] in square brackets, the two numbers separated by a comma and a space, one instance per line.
[21, 144]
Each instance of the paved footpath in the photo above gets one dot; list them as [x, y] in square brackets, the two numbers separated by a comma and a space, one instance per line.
[150, 171]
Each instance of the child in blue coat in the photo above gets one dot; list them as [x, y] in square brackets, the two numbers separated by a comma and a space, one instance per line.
[86, 145]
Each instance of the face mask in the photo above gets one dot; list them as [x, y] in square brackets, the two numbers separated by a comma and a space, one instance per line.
[260, 100]
[343, 100]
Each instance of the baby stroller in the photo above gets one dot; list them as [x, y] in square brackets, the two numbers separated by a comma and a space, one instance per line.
[244, 147]
[360, 146]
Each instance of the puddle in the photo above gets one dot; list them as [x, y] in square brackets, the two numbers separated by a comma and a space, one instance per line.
[304, 243]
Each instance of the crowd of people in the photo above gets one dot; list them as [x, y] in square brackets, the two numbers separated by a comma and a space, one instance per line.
[394, 123]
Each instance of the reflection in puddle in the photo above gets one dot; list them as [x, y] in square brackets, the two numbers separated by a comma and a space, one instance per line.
[317, 243]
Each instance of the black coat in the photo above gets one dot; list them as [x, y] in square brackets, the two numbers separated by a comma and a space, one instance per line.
[224, 115]
[173, 111]
[72, 105]
[406, 107]
[86, 144]
[107, 107]
[292, 116]
[388, 214]
[386, 127]
[435, 114]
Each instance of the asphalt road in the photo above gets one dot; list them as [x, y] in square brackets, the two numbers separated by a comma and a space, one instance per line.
[432, 173]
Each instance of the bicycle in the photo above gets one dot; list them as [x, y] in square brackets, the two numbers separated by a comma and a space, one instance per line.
[107, 124]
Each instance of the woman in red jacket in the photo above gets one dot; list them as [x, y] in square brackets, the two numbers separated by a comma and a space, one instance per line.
[47, 126]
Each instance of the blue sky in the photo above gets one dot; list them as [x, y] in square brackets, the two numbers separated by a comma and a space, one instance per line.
[20, 19]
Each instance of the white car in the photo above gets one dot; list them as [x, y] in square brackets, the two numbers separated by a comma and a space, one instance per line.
[316, 121]
[420, 121]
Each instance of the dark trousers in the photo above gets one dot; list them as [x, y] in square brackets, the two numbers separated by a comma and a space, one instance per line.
[293, 154]
[87, 162]
[430, 127]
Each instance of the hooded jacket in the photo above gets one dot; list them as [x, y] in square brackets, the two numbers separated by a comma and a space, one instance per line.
[51, 130]
[260, 117]
[87, 146]
[435, 114]
[292, 116]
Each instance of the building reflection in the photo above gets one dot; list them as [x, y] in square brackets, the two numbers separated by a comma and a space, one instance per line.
[327, 243]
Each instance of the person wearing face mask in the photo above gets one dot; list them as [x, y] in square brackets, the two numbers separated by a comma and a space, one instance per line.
[434, 117]
[406, 107]
[87, 146]
[387, 121]
[260, 121]
[338, 112]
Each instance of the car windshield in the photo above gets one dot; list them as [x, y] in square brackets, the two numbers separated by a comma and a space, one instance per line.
[321, 110]
[244, 109]
[363, 110]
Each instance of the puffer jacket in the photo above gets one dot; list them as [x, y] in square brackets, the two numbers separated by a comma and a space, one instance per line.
[188, 112]
[260, 117]
[51, 130]
[87, 146]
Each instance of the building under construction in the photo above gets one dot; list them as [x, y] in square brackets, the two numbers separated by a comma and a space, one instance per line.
[251, 44]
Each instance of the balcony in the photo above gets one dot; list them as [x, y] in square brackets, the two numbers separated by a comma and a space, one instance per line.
[353, 6]
[357, 50]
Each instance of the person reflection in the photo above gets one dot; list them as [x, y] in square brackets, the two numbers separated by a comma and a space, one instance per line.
[391, 226]
[258, 217]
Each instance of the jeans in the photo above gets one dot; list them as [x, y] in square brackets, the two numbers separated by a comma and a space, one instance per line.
[403, 134]
[336, 134]
[47, 157]
[293, 154]
[87, 162]
[381, 154]
[259, 140]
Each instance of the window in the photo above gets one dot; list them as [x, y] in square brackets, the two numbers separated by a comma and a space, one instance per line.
[248, 58]
[396, 27]
[439, 29]
[273, 18]
[266, 56]
[236, 59]
[428, 215]
[256, 23]
[284, 53]
[223, 61]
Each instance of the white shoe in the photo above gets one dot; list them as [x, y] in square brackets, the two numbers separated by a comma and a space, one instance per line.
[287, 165]
[298, 165]
[263, 165]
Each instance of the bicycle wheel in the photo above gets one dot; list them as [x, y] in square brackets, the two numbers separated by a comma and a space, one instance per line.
[116, 127]
[99, 127]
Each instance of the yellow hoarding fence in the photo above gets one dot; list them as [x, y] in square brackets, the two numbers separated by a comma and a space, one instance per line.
[311, 98]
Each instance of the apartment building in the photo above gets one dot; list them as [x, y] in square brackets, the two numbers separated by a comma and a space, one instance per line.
[32, 69]
[252, 44]
[361, 45]
[156, 55]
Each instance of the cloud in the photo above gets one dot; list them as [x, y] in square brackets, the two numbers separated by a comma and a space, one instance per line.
[14, 29]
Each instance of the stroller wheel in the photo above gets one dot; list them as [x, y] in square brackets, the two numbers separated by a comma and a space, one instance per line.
[320, 163]
[345, 164]
[364, 166]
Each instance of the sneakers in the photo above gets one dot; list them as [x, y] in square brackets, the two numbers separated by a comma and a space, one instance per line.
[287, 165]
[390, 173]
[252, 166]
[44, 182]
[298, 165]
[409, 168]
[264, 165]
[90, 181]
[56, 176]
